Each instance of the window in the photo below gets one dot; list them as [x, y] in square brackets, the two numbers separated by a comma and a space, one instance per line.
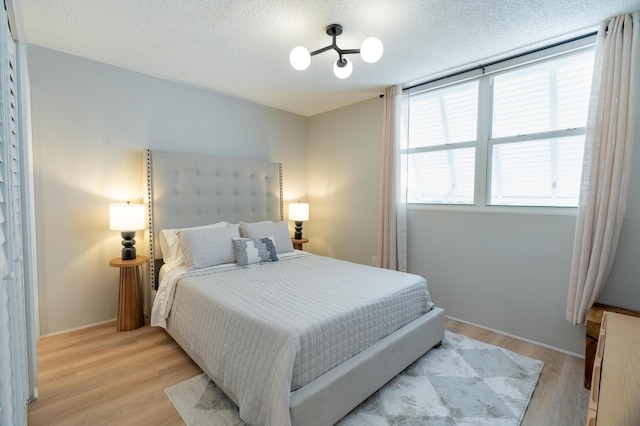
[510, 137]
[442, 139]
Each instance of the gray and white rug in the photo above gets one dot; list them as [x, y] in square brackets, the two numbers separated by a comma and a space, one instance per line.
[463, 382]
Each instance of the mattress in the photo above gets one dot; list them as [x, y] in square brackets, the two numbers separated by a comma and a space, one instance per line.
[267, 329]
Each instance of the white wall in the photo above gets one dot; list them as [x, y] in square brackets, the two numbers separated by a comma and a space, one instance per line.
[344, 181]
[623, 285]
[91, 123]
[507, 272]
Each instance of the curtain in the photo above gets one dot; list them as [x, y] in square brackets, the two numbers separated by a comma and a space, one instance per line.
[607, 162]
[392, 225]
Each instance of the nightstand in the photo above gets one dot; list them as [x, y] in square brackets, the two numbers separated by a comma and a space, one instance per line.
[297, 243]
[130, 315]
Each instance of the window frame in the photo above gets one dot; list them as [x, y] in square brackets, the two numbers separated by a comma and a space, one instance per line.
[484, 143]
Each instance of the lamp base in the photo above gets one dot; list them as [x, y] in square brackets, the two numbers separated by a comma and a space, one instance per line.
[298, 234]
[128, 242]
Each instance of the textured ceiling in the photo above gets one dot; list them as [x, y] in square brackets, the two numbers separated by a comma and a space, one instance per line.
[241, 47]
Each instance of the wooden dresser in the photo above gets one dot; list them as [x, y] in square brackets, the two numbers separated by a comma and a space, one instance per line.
[615, 388]
[594, 321]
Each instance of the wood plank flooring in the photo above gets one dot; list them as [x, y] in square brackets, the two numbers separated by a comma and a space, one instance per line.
[99, 376]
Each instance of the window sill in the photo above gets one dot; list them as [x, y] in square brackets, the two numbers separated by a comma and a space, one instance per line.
[549, 211]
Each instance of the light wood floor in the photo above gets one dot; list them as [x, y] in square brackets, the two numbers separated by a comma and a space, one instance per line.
[99, 376]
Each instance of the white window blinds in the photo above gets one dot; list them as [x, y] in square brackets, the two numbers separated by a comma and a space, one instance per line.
[442, 143]
[550, 96]
[537, 132]
[511, 137]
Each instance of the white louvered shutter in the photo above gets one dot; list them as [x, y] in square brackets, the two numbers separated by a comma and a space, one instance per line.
[14, 378]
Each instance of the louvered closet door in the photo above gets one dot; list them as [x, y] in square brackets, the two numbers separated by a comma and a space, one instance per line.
[13, 330]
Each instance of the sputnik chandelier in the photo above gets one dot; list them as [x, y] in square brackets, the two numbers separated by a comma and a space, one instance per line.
[371, 51]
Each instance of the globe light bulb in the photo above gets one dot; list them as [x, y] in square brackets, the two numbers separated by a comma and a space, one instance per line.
[344, 71]
[371, 50]
[300, 58]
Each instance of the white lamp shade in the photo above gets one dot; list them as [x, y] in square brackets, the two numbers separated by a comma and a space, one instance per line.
[371, 50]
[300, 58]
[343, 72]
[299, 212]
[126, 217]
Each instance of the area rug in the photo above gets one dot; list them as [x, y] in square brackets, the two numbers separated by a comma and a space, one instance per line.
[462, 382]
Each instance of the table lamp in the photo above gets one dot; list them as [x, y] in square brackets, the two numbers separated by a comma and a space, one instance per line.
[127, 218]
[298, 212]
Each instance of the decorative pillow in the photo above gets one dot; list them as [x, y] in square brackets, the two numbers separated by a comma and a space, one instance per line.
[207, 247]
[170, 243]
[254, 250]
[256, 223]
[279, 231]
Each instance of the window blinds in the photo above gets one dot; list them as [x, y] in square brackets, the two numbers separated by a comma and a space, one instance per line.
[514, 137]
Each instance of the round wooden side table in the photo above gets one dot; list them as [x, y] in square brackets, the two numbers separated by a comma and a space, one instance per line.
[297, 243]
[130, 314]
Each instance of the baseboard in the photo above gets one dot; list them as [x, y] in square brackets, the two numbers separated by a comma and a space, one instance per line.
[79, 328]
[36, 394]
[513, 336]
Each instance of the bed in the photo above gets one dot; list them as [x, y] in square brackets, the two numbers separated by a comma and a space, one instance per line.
[276, 329]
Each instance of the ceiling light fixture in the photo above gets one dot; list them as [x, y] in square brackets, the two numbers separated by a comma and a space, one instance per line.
[370, 51]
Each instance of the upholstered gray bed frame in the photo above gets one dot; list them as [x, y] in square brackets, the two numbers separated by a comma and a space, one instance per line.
[192, 189]
[187, 189]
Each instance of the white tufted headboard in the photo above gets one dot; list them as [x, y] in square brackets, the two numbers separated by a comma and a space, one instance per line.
[186, 189]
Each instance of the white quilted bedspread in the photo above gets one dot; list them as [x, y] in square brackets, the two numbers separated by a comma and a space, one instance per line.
[267, 329]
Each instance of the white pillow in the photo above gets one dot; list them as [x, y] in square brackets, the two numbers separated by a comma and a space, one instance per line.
[279, 231]
[171, 247]
[254, 250]
[207, 247]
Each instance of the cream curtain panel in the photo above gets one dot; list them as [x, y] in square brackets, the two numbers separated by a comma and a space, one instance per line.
[392, 225]
[605, 176]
